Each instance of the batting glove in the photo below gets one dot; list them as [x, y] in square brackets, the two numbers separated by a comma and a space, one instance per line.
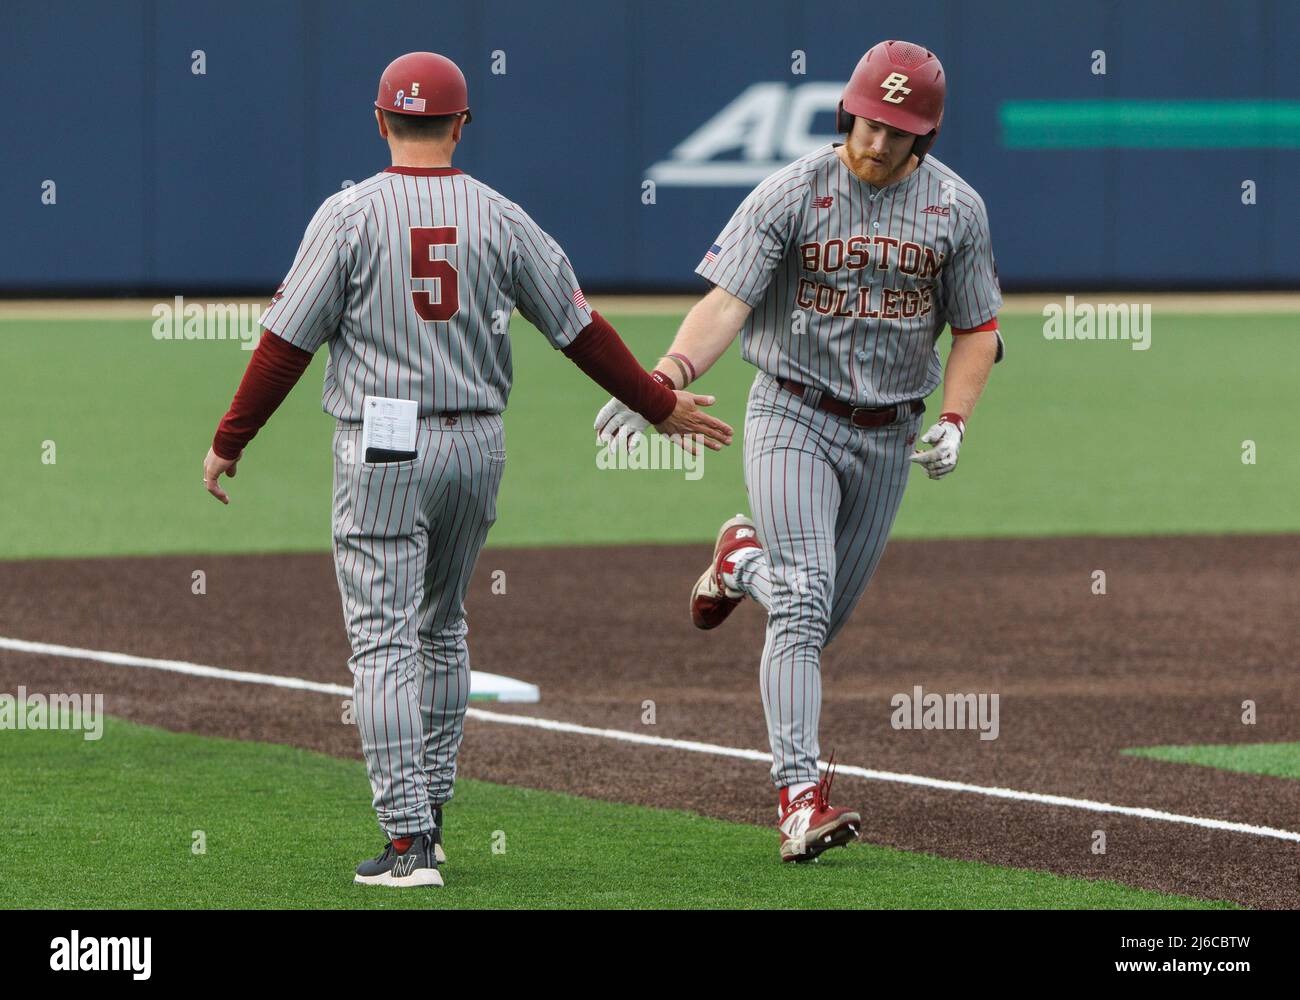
[618, 427]
[945, 438]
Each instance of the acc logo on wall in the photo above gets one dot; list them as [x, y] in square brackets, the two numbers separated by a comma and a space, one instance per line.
[769, 123]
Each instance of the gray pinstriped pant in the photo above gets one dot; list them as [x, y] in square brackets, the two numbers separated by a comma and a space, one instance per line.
[824, 495]
[406, 538]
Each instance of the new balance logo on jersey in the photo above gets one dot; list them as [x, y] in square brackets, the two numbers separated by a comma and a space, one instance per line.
[894, 88]
[823, 202]
[936, 210]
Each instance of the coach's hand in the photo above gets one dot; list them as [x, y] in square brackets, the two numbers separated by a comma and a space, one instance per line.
[213, 466]
[941, 459]
[618, 427]
[688, 424]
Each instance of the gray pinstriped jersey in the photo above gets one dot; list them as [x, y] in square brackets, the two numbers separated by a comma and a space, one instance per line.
[851, 285]
[409, 277]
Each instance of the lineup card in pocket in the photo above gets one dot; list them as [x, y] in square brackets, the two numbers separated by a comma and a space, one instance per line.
[388, 429]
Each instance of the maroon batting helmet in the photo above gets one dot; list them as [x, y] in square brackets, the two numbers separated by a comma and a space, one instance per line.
[423, 83]
[900, 84]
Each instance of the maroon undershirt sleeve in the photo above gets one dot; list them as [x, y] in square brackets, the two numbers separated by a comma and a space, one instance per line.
[273, 370]
[604, 358]
[276, 366]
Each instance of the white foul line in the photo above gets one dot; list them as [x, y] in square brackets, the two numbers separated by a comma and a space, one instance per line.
[174, 666]
[623, 736]
[507, 688]
[895, 777]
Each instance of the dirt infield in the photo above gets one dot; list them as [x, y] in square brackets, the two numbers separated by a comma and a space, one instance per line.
[1188, 630]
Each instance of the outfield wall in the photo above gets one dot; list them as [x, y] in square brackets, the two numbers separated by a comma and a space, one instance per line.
[166, 179]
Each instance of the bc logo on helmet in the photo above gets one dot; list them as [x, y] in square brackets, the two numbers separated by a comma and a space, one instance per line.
[894, 88]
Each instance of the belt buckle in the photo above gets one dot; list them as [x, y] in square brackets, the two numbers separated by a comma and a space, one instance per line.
[872, 415]
[868, 413]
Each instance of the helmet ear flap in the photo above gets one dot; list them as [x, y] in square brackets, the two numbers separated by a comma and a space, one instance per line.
[923, 143]
[843, 120]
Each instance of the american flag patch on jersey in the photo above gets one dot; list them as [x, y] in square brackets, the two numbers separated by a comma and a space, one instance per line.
[413, 104]
[579, 299]
[712, 255]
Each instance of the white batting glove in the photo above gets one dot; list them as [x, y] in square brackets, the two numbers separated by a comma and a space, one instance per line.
[945, 437]
[618, 427]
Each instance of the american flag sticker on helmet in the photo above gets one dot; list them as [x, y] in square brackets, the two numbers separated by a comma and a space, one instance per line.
[579, 299]
[712, 255]
[413, 104]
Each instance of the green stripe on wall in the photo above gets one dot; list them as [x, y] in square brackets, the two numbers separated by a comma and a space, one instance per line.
[1119, 124]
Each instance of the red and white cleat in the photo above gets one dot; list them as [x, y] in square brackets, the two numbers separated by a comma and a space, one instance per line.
[810, 824]
[711, 600]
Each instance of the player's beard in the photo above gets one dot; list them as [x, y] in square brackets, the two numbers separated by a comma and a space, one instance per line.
[884, 172]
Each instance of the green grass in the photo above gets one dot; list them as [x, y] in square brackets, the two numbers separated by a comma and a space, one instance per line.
[1278, 760]
[1072, 438]
[111, 823]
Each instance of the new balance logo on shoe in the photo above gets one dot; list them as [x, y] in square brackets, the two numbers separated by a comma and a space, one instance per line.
[416, 867]
[809, 824]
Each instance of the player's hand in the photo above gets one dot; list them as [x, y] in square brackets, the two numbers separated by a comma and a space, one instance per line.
[213, 466]
[619, 428]
[688, 425]
[941, 459]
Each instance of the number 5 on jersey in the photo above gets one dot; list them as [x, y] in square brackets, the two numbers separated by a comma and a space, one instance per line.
[425, 266]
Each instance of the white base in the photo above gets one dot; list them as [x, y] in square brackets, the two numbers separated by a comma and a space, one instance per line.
[494, 687]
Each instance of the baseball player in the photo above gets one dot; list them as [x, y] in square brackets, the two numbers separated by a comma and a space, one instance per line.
[410, 278]
[840, 270]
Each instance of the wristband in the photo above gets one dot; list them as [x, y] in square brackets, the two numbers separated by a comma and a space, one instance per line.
[956, 420]
[686, 378]
[687, 362]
